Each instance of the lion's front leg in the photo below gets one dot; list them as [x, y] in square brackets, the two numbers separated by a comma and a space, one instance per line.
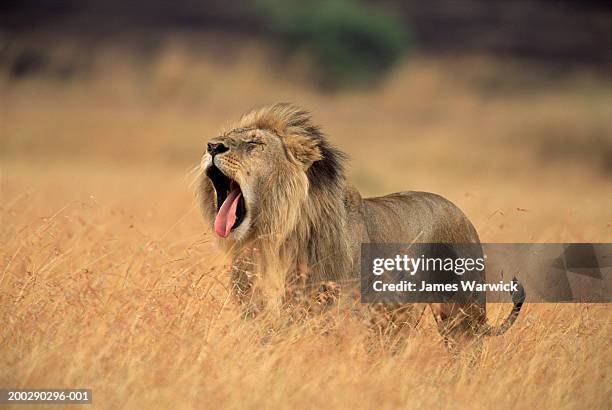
[243, 275]
[308, 295]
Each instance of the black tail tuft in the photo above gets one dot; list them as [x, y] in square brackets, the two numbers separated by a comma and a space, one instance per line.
[518, 298]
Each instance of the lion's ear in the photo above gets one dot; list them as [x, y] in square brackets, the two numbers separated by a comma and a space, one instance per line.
[304, 149]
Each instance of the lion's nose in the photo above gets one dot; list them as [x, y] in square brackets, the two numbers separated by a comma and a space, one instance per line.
[215, 148]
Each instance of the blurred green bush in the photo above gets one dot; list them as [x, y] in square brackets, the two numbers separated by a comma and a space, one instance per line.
[350, 42]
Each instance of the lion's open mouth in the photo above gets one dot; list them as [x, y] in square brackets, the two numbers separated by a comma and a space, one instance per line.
[231, 207]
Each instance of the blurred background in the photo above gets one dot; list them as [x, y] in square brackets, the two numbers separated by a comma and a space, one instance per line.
[110, 280]
[503, 106]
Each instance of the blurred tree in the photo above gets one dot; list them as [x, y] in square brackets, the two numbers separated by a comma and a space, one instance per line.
[350, 42]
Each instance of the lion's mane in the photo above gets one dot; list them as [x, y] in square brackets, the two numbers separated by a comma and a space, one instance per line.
[300, 220]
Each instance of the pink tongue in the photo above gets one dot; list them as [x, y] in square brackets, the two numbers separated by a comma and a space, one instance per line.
[226, 217]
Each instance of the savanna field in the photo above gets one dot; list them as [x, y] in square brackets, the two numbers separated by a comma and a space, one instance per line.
[109, 279]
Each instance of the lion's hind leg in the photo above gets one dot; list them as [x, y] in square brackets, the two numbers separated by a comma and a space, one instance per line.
[392, 323]
[459, 325]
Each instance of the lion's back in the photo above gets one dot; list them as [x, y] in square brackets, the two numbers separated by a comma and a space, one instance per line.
[414, 216]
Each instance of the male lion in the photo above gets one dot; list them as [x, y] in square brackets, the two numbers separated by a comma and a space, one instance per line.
[274, 191]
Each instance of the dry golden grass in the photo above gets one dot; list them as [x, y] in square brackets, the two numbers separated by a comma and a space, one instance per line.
[109, 281]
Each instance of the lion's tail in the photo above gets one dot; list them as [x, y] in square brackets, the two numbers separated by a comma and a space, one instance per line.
[518, 298]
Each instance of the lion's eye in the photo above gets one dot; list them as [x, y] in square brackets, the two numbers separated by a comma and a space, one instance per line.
[250, 145]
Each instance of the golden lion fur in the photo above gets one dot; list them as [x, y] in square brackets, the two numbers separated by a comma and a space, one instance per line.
[305, 222]
[292, 228]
